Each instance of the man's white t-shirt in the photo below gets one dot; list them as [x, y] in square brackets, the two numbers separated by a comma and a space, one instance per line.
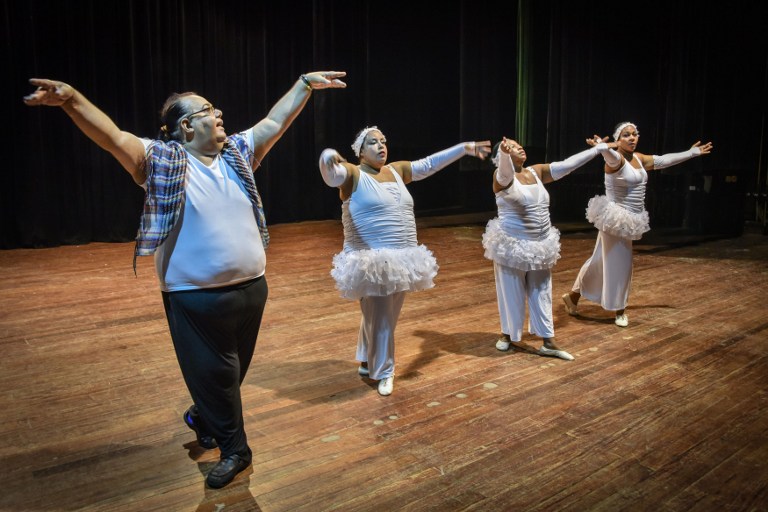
[216, 240]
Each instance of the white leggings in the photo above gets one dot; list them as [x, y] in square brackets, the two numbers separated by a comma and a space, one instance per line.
[513, 286]
[606, 277]
[376, 341]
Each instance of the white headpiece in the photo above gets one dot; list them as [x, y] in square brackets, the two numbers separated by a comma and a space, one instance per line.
[617, 133]
[360, 138]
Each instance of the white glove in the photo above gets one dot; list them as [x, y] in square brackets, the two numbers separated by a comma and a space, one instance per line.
[333, 172]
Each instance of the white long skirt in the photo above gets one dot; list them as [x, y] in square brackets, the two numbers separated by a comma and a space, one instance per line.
[606, 277]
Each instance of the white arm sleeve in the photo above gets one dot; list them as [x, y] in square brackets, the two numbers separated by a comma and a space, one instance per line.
[612, 157]
[560, 169]
[426, 167]
[670, 159]
[505, 173]
[333, 173]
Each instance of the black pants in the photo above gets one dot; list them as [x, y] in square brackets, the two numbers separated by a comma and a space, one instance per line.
[214, 333]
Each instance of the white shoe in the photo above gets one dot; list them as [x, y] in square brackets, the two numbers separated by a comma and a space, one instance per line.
[622, 320]
[386, 385]
[562, 354]
[362, 371]
[570, 307]
[502, 344]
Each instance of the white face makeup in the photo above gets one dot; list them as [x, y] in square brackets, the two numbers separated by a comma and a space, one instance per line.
[358, 144]
[374, 149]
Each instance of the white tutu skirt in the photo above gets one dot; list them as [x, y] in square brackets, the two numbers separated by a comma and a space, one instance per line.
[520, 253]
[381, 272]
[611, 218]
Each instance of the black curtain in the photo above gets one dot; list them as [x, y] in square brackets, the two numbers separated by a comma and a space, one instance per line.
[429, 75]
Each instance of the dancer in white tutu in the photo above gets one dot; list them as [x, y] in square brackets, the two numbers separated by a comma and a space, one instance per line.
[523, 244]
[620, 216]
[382, 259]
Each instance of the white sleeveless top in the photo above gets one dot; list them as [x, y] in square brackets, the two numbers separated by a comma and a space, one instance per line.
[626, 187]
[379, 215]
[381, 253]
[216, 241]
[522, 236]
[621, 212]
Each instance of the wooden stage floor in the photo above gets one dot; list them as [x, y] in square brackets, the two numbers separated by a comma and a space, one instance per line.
[668, 414]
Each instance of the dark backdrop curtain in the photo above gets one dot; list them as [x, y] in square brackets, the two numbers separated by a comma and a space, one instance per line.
[429, 75]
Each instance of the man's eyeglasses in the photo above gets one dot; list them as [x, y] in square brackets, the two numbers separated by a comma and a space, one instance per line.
[207, 110]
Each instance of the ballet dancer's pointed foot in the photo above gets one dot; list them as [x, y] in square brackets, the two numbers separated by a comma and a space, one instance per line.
[562, 354]
[570, 307]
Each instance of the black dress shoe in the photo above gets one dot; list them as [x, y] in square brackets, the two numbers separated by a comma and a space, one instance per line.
[225, 471]
[192, 420]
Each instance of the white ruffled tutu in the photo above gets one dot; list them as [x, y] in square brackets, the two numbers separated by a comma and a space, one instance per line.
[611, 218]
[520, 253]
[381, 272]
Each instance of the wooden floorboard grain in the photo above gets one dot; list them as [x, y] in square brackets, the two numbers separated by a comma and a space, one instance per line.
[665, 415]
